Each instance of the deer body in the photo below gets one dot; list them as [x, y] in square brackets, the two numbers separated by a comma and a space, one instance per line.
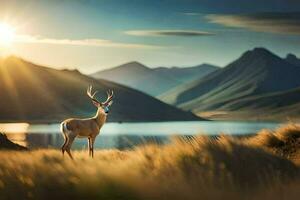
[85, 128]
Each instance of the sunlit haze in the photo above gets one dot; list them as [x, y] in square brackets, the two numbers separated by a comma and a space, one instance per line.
[94, 35]
[7, 34]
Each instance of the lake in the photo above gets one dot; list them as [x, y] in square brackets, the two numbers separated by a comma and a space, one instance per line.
[125, 135]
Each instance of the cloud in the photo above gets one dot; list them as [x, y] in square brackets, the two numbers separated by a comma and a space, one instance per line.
[273, 22]
[184, 33]
[192, 14]
[81, 42]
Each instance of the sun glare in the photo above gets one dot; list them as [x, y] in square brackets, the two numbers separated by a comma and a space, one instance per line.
[7, 34]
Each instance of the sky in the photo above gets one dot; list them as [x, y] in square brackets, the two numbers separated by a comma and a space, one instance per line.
[92, 35]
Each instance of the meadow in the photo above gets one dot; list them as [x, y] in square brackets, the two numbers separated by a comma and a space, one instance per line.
[263, 166]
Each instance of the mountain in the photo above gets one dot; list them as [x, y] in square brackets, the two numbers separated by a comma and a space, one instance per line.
[30, 92]
[291, 58]
[256, 72]
[138, 76]
[186, 74]
[153, 81]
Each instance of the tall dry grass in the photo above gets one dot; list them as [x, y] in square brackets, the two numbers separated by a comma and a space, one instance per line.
[263, 166]
[284, 141]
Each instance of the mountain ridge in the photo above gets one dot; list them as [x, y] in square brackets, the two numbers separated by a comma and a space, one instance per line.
[153, 81]
[30, 92]
[255, 72]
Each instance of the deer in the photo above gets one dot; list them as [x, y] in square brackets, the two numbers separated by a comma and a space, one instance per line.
[86, 128]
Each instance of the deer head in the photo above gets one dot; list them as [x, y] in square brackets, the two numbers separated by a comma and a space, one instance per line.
[101, 105]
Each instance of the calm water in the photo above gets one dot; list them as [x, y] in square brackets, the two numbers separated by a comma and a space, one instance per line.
[124, 135]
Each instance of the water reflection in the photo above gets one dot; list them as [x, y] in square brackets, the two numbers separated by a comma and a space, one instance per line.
[126, 135]
[14, 127]
[35, 140]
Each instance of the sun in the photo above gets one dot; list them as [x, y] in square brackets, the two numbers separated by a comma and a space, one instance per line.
[7, 34]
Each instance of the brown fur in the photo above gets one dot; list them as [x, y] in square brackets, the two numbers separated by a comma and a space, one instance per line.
[88, 128]
[82, 128]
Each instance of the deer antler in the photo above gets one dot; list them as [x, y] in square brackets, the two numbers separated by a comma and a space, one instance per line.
[110, 94]
[92, 95]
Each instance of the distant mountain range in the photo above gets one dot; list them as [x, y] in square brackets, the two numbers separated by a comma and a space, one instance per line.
[29, 92]
[153, 81]
[259, 85]
[258, 81]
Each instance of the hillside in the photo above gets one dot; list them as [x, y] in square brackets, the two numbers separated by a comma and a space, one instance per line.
[34, 93]
[274, 106]
[291, 58]
[256, 72]
[153, 81]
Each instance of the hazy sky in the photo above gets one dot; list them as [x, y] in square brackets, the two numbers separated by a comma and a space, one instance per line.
[93, 35]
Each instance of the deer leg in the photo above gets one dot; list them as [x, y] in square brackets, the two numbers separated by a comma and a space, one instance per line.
[63, 148]
[68, 146]
[92, 145]
[89, 143]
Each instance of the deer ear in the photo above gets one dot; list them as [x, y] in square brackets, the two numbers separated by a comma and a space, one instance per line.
[96, 104]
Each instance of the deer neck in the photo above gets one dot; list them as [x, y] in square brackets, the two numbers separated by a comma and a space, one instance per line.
[100, 117]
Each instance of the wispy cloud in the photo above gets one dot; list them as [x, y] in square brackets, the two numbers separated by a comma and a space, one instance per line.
[183, 33]
[192, 14]
[273, 22]
[81, 42]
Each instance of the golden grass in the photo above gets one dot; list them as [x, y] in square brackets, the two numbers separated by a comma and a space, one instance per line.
[263, 166]
[284, 141]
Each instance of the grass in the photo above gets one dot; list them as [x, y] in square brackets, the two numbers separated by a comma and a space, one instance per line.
[263, 166]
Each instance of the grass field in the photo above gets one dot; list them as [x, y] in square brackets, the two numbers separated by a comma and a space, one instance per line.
[264, 166]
